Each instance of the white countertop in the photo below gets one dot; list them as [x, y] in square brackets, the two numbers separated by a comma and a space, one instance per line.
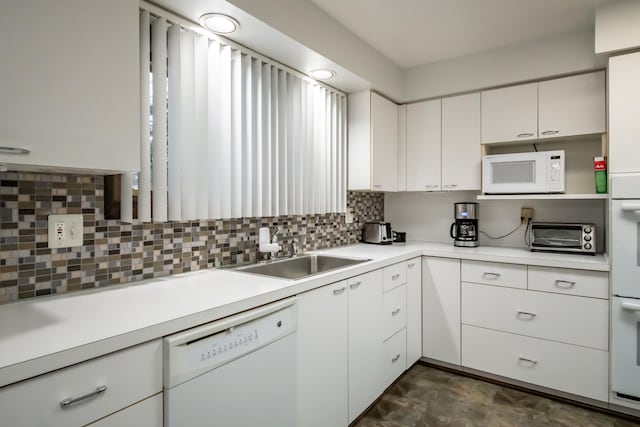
[43, 334]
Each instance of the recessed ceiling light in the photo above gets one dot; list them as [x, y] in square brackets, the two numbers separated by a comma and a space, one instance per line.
[219, 23]
[321, 74]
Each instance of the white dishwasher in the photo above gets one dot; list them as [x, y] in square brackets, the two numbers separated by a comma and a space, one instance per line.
[238, 371]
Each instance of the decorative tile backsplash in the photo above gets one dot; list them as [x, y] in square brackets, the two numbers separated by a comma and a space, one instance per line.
[114, 252]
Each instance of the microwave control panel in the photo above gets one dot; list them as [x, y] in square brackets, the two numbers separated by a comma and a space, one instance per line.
[556, 171]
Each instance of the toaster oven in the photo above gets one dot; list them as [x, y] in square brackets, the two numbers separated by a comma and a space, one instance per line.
[563, 237]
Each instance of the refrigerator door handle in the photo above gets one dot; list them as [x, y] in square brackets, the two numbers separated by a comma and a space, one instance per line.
[631, 306]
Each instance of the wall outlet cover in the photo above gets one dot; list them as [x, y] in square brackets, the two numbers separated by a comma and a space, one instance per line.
[65, 231]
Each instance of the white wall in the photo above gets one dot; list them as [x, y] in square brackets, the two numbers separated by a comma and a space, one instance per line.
[548, 57]
[428, 216]
[618, 26]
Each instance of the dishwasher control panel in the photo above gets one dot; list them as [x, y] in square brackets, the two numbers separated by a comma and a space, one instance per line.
[206, 347]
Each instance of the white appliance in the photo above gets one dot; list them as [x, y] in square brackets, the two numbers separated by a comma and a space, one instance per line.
[625, 286]
[516, 173]
[236, 372]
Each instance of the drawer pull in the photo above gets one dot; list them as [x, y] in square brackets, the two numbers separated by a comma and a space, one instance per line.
[491, 276]
[14, 150]
[339, 290]
[355, 285]
[395, 312]
[413, 264]
[396, 358]
[631, 306]
[529, 361]
[525, 315]
[565, 284]
[550, 132]
[525, 135]
[70, 401]
[395, 276]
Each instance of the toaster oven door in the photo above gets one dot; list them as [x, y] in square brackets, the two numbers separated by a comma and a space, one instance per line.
[557, 237]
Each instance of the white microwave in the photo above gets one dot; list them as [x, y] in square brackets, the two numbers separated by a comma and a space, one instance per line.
[523, 173]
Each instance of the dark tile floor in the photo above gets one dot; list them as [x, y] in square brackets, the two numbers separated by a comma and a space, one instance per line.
[429, 397]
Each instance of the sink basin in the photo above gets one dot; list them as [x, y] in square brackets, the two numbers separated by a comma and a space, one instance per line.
[301, 266]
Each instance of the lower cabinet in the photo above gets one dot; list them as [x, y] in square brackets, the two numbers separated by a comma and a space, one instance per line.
[414, 310]
[441, 309]
[91, 391]
[322, 357]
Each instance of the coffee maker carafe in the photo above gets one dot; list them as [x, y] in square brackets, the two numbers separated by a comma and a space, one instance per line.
[464, 230]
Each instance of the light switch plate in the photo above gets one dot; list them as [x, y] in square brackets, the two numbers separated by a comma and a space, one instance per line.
[65, 231]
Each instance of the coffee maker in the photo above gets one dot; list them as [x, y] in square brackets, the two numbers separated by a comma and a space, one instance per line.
[464, 231]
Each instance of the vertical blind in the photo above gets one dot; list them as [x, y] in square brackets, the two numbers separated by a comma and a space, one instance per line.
[226, 133]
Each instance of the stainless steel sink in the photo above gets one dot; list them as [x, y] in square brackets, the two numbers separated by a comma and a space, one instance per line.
[300, 266]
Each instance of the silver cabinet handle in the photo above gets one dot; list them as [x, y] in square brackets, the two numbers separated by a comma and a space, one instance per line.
[413, 264]
[355, 285]
[396, 311]
[530, 361]
[13, 150]
[450, 185]
[525, 315]
[550, 132]
[339, 290]
[396, 358]
[631, 306]
[377, 186]
[524, 135]
[395, 276]
[70, 401]
[565, 284]
[488, 275]
[431, 186]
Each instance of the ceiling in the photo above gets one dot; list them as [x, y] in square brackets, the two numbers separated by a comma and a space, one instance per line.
[416, 32]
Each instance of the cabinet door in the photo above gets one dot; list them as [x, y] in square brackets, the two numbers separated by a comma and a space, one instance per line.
[366, 376]
[70, 84]
[624, 111]
[441, 309]
[572, 105]
[322, 357]
[147, 413]
[384, 144]
[414, 310]
[510, 113]
[423, 146]
[461, 142]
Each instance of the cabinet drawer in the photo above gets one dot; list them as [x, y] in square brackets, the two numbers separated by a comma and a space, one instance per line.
[569, 368]
[129, 375]
[564, 318]
[394, 309]
[492, 273]
[147, 413]
[394, 353]
[593, 284]
[394, 276]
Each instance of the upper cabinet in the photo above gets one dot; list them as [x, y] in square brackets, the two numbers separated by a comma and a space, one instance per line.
[624, 113]
[562, 107]
[510, 114]
[373, 142]
[424, 134]
[461, 142]
[70, 85]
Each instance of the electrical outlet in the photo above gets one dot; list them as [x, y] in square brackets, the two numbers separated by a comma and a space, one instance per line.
[526, 215]
[65, 231]
[348, 216]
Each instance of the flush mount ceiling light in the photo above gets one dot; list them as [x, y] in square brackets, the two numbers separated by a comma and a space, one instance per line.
[219, 23]
[321, 74]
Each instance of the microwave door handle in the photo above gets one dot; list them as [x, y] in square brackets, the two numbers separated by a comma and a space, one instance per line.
[631, 306]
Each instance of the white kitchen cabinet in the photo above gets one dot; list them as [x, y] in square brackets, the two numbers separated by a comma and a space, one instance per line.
[128, 376]
[373, 142]
[366, 378]
[147, 413]
[510, 113]
[70, 85]
[423, 152]
[594, 284]
[322, 338]
[568, 368]
[441, 309]
[414, 310]
[624, 111]
[494, 273]
[461, 142]
[572, 105]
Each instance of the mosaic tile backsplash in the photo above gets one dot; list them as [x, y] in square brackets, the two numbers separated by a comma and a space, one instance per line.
[114, 252]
